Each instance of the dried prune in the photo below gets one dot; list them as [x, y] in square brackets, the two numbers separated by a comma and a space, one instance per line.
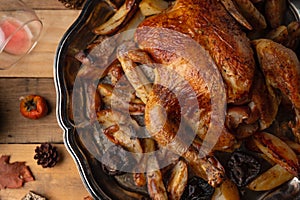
[242, 168]
[197, 189]
[116, 161]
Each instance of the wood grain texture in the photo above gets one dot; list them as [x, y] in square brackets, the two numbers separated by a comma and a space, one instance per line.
[46, 4]
[14, 128]
[57, 183]
[19, 136]
[39, 63]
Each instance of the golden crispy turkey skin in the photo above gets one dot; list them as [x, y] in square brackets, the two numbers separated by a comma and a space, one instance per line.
[209, 24]
[186, 88]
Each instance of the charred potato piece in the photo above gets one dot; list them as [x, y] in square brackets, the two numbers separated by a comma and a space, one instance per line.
[278, 151]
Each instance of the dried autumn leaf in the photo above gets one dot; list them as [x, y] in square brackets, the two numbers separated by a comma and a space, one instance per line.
[13, 175]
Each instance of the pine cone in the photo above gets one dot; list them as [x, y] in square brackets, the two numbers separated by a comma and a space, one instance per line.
[32, 196]
[46, 155]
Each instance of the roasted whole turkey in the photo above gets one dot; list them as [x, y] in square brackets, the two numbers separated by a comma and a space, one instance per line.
[242, 93]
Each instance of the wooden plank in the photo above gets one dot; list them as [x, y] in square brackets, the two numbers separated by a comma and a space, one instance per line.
[14, 128]
[39, 63]
[48, 4]
[60, 182]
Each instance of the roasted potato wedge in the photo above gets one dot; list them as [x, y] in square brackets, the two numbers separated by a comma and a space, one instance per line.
[152, 7]
[275, 11]
[135, 105]
[234, 12]
[117, 131]
[139, 179]
[265, 101]
[155, 184]
[178, 180]
[286, 35]
[279, 34]
[294, 145]
[252, 14]
[270, 179]
[294, 35]
[227, 191]
[280, 66]
[278, 151]
[120, 18]
[134, 74]
[294, 29]
[116, 3]
[289, 190]
[256, 1]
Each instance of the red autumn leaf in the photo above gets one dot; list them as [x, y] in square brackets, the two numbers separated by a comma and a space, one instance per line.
[13, 175]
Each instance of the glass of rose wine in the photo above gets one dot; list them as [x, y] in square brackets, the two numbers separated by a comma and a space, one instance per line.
[20, 29]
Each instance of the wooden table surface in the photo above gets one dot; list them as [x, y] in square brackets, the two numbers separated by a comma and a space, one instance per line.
[19, 136]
